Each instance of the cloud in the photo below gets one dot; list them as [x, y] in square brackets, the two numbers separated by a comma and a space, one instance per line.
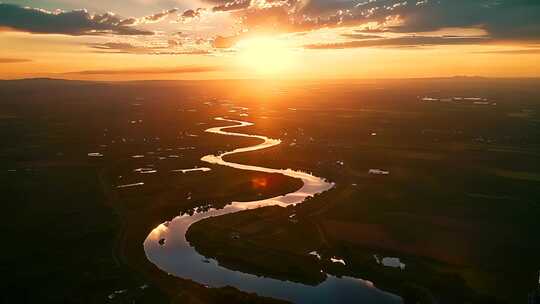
[172, 47]
[232, 5]
[186, 52]
[501, 19]
[154, 18]
[120, 48]
[361, 36]
[409, 41]
[159, 16]
[13, 60]
[511, 52]
[174, 42]
[191, 14]
[221, 42]
[176, 70]
[322, 7]
[77, 22]
[369, 30]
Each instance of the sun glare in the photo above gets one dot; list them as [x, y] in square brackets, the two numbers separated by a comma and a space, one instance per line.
[265, 55]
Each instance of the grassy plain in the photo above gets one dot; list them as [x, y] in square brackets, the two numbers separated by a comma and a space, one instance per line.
[459, 207]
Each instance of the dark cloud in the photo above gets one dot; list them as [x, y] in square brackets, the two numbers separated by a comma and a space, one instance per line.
[176, 70]
[509, 20]
[78, 22]
[13, 60]
[192, 14]
[316, 8]
[409, 41]
[232, 5]
[501, 19]
[181, 35]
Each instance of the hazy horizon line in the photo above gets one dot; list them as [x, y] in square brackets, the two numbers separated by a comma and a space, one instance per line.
[278, 79]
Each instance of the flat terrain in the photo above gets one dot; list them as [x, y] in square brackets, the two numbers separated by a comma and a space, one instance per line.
[460, 205]
[73, 235]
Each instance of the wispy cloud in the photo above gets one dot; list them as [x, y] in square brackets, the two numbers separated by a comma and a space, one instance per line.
[154, 18]
[361, 36]
[511, 52]
[121, 48]
[13, 60]
[173, 47]
[410, 41]
[176, 70]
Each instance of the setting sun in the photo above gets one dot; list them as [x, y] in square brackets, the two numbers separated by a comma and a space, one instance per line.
[265, 55]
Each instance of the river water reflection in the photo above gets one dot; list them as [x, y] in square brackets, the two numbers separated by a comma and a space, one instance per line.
[178, 258]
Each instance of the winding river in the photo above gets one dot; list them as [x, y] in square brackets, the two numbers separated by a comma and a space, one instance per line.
[178, 258]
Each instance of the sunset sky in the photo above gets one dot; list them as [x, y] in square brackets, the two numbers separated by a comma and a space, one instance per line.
[210, 39]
